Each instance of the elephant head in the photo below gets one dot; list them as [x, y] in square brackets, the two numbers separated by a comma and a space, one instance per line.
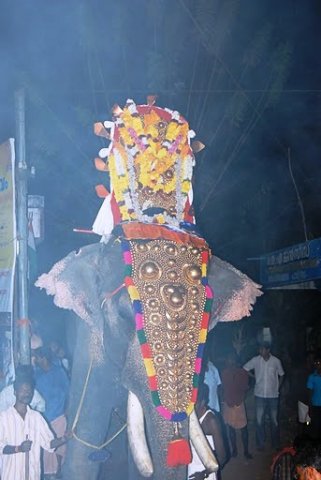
[89, 283]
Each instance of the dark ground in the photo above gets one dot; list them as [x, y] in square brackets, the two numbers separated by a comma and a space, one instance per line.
[259, 467]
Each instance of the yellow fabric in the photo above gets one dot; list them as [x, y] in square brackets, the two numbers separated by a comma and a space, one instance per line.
[149, 367]
[133, 292]
[203, 334]
[204, 269]
[190, 408]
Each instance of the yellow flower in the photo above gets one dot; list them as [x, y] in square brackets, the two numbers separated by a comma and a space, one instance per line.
[172, 131]
[150, 165]
[170, 186]
[160, 218]
[152, 130]
[126, 137]
[151, 118]
[136, 124]
[126, 116]
[163, 153]
[186, 186]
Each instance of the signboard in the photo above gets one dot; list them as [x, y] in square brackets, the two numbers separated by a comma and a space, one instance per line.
[7, 257]
[36, 204]
[7, 226]
[298, 264]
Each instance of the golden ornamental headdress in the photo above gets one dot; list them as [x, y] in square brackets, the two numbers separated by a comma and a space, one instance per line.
[150, 161]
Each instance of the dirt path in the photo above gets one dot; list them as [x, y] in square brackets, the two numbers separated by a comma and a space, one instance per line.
[259, 467]
[256, 469]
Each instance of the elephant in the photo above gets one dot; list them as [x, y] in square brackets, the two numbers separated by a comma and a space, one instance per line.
[108, 365]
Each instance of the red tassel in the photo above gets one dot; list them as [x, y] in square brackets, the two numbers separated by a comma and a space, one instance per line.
[178, 452]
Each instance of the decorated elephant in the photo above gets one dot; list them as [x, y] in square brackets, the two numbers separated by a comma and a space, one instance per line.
[145, 296]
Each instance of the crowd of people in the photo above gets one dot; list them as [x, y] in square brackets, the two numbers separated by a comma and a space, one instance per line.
[32, 416]
[225, 403]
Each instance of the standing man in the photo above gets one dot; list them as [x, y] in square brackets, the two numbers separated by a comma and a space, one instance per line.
[213, 381]
[314, 386]
[212, 429]
[23, 432]
[235, 384]
[52, 382]
[269, 375]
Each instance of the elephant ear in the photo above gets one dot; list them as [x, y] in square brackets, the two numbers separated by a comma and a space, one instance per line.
[74, 283]
[234, 292]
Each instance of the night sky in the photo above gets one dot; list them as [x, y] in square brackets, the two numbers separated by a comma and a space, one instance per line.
[246, 74]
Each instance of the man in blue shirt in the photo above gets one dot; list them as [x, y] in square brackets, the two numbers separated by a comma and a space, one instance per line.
[314, 386]
[53, 384]
[213, 381]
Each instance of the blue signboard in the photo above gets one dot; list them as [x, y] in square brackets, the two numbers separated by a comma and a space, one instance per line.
[297, 264]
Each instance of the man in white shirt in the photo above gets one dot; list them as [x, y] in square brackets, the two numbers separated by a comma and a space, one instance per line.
[23, 432]
[269, 374]
[8, 398]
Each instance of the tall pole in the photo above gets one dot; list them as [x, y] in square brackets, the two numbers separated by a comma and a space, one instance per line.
[22, 220]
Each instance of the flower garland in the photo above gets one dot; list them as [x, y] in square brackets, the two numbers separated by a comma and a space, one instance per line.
[150, 150]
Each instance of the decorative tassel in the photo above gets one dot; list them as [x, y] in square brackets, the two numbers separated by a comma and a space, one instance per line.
[178, 452]
[151, 100]
[101, 191]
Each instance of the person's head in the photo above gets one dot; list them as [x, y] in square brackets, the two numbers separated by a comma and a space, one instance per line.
[43, 357]
[202, 397]
[231, 359]
[23, 388]
[265, 350]
[54, 346]
[317, 363]
[309, 359]
[57, 349]
[35, 343]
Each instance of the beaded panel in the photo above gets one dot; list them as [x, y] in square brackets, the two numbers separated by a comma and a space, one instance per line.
[168, 280]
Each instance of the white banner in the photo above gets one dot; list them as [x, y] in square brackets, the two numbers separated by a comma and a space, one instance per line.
[7, 226]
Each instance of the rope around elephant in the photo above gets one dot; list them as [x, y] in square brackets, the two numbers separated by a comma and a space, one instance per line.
[77, 416]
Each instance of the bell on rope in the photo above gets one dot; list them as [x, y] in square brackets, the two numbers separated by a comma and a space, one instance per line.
[178, 450]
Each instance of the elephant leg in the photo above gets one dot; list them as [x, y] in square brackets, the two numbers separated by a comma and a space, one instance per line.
[93, 418]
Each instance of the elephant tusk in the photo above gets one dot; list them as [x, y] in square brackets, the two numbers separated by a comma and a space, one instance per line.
[137, 437]
[201, 444]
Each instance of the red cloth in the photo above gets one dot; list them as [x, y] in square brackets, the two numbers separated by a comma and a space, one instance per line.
[151, 231]
[277, 457]
[235, 381]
